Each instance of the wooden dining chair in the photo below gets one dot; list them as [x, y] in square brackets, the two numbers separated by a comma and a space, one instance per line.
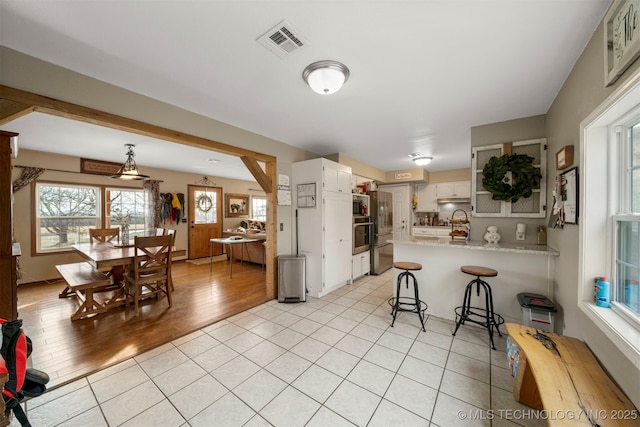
[165, 231]
[102, 235]
[151, 271]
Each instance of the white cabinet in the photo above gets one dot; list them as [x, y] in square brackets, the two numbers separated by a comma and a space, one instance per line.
[482, 204]
[458, 189]
[426, 194]
[430, 231]
[360, 265]
[423, 232]
[337, 177]
[324, 228]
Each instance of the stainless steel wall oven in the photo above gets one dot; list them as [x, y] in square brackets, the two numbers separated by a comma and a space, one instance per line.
[361, 234]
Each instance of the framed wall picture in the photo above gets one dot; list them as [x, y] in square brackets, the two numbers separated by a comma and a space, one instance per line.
[621, 38]
[569, 194]
[307, 195]
[236, 205]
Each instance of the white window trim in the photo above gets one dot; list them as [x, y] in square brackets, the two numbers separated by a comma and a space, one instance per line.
[594, 130]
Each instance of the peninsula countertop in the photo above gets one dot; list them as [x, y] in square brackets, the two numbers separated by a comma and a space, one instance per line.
[479, 245]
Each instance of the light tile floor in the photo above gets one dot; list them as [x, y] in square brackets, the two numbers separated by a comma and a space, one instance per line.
[333, 361]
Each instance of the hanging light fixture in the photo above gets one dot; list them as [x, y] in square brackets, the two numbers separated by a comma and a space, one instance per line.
[129, 171]
[325, 77]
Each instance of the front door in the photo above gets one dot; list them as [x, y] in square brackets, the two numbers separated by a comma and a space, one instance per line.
[205, 220]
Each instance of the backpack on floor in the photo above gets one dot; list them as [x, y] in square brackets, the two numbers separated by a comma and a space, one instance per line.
[15, 349]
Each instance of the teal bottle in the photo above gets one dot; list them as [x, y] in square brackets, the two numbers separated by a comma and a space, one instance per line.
[603, 293]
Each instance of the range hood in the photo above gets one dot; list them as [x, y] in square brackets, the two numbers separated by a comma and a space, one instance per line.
[459, 200]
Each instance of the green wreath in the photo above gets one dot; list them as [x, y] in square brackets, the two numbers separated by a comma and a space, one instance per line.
[524, 177]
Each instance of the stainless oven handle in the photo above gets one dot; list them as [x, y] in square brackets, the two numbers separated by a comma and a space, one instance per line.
[362, 223]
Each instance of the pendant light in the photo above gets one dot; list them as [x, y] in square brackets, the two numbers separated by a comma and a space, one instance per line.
[325, 77]
[129, 171]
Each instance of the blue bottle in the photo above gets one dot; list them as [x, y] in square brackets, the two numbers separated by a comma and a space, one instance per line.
[603, 293]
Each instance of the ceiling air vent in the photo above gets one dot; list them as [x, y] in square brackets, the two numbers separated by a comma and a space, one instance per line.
[282, 39]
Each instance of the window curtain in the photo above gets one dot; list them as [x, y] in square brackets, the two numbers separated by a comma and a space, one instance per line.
[152, 209]
[29, 174]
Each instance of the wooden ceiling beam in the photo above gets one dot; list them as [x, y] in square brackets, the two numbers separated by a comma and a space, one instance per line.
[68, 110]
[11, 110]
[257, 172]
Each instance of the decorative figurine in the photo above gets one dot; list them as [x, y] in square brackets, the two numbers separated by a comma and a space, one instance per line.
[492, 236]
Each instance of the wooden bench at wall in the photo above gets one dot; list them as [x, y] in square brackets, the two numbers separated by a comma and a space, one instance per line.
[565, 379]
[84, 280]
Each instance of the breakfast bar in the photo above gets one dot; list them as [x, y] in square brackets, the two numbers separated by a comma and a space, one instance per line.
[521, 268]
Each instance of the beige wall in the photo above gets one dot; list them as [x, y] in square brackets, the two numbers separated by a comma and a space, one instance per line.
[450, 176]
[358, 168]
[27, 73]
[580, 94]
[509, 131]
[38, 268]
[498, 133]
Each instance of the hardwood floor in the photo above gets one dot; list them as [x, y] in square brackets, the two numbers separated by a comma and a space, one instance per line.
[66, 349]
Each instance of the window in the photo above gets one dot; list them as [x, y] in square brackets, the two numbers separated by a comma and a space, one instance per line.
[205, 206]
[126, 203]
[259, 208]
[610, 224]
[626, 277]
[64, 213]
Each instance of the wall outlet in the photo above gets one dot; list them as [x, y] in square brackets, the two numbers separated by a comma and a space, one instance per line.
[281, 226]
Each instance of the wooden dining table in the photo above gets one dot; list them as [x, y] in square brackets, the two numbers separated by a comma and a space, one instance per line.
[116, 256]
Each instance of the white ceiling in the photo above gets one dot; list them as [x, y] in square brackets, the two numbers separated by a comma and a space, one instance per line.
[422, 72]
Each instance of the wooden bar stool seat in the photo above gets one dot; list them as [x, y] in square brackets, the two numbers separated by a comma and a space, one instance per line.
[409, 304]
[483, 316]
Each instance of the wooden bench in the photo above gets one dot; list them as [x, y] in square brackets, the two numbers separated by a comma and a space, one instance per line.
[560, 375]
[84, 280]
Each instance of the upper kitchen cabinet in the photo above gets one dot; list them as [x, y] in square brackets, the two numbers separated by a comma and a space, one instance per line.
[426, 194]
[337, 177]
[459, 189]
[482, 203]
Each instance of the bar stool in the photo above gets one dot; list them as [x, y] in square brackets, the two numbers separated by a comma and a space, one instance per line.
[408, 304]
[485, 317]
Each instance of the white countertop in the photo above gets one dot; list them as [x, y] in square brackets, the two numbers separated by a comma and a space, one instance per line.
[477, 245]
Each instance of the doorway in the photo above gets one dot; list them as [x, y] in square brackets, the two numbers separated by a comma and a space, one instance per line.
[205, 220]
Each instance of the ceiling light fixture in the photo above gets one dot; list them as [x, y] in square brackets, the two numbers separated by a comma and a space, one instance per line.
[422, 161]
[325, 77]
[129, 171]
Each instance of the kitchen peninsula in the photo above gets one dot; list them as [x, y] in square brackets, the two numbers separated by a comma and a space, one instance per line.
[521, 268]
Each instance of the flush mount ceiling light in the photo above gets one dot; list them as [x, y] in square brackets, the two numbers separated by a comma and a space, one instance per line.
[325, 77]
[129, 171]
[422, 161]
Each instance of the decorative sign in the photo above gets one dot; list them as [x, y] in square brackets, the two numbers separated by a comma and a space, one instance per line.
[621, 38]
[284, 195]
[98, 167]
[405, 175]
[307, 195]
